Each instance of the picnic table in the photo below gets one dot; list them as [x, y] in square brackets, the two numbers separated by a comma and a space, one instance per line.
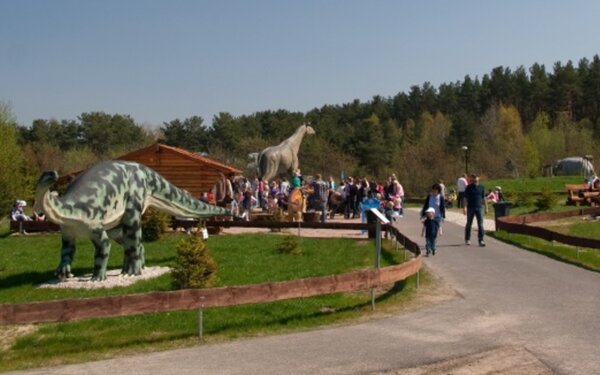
[581, 193]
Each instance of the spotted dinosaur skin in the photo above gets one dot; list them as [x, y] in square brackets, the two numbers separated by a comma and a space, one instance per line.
[107, 202]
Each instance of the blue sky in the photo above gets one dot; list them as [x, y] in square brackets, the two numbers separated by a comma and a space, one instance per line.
[161, 60]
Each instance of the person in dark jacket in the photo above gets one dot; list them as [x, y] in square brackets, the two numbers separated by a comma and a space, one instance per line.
[436, 201]
[476, 202]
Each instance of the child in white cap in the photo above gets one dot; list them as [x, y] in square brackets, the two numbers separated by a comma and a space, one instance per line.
[17, 213]
[430, 230]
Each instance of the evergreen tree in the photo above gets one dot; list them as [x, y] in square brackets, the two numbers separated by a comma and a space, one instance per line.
[540, 90]
[590, 87]
[189, 134]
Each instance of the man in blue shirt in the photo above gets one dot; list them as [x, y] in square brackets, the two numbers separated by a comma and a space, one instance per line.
[476, 202]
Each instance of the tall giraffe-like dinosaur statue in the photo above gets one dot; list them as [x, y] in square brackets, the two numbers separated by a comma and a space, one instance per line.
[107, 202]
[282, 158]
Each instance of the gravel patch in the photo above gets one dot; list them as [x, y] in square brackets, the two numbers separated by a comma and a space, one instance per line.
[500, 361]
[113, 279]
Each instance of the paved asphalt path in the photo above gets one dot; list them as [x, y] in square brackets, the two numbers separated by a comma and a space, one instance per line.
[507, 297]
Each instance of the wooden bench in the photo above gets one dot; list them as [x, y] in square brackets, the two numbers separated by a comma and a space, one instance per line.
[579, 193]
[33, 226]
[592, 198]
[188, 225]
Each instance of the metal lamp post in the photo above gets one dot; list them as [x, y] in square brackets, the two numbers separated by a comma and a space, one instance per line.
[466, 150]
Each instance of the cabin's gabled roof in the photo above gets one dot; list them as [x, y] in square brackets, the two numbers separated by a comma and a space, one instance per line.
[158, 147]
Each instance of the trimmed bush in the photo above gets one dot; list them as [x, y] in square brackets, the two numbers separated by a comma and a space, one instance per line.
[154, 225]
[289, 245]
[194, 267]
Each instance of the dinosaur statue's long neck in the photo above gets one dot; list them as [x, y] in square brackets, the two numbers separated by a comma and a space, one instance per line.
[296, 138]
[50, 205]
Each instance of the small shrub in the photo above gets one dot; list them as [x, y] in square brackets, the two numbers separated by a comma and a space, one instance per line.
[523, 199]
[289, 245]
[546, 200]
[194, 267]
[154, 225]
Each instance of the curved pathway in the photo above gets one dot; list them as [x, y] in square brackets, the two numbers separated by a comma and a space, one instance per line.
[507, 298]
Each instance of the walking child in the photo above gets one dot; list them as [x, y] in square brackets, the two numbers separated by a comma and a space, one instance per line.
[247, 202]
[430, 230]
[391, 215]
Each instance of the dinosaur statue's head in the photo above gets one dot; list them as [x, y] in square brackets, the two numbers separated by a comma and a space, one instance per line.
[309, 129]
[46, 180]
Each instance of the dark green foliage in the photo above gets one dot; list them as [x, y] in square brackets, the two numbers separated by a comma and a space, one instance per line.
[12, 186]
[545, 200]
[189, 134]
[154, 224]
[289, 245]
[522, 199]
[194, 267]
[103, 131]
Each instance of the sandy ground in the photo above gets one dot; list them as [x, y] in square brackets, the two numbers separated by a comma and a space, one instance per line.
[500, 361]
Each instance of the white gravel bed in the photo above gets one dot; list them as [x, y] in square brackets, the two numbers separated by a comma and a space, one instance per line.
[113, 279]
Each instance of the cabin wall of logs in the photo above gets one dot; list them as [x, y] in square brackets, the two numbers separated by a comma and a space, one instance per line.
[185, 170]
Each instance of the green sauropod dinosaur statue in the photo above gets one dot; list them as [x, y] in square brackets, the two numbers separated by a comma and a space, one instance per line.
[107, 202]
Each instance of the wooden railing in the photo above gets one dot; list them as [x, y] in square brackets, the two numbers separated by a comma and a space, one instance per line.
[85, 308]
[518, 224]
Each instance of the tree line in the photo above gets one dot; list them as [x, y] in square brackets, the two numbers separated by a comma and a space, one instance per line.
[512, 123]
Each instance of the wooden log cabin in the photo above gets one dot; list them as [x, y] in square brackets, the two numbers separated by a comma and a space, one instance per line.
[184, 169]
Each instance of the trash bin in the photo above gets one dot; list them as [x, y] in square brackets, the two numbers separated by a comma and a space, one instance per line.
[371, 220]
[501, 209]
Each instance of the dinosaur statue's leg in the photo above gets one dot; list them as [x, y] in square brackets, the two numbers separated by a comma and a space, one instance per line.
[294, 163]
[102, 245]
[117, 235]
[132, 237]
[67, 254]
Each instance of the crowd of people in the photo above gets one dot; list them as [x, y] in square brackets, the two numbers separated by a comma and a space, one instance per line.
[326, 197]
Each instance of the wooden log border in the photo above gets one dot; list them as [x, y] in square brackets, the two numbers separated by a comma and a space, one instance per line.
[519, 224]
[187, 299]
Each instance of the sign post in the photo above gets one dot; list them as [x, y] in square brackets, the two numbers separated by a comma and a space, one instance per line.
[380, 220]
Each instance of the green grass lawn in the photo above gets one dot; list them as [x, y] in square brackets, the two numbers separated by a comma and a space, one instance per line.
[585, 258]
[26, 261]
[533, 185]
[575, 226]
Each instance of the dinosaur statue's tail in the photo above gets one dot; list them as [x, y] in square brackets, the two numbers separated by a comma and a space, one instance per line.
[168, 198]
